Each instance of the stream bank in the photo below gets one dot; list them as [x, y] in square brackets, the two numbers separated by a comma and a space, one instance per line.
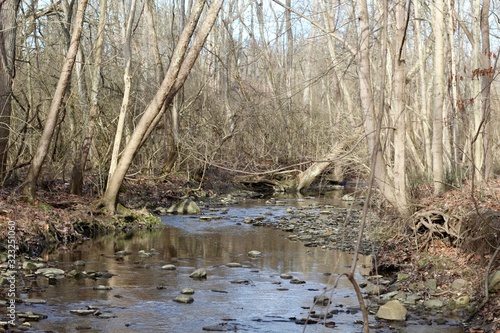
[441, 262]
[295, 265]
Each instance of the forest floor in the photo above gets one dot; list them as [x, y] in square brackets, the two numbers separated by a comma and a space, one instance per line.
[59, 217]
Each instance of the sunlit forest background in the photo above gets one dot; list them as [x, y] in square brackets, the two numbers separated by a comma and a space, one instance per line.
[277, 86]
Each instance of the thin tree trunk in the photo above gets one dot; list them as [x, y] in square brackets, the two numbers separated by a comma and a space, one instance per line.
[372, 129]
[476, 135]
[454, 148]
[171, 125]
[400, 110]
[76, 184]
[29, 187]
[439, 94]
[423, 95]
[8, 27]
[127, 84]
[179, 69]
[486, 81]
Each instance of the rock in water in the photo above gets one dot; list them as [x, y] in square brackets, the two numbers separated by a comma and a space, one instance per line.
[169, 267]
[186, 299]
[187, 291]
[49, 272]
[348, 197]
[321, 300]
[254, 254]
[222, 327]
[199, 273]
[185, 207]
[392, 310]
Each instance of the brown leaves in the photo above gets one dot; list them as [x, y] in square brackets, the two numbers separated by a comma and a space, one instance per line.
[483, 72]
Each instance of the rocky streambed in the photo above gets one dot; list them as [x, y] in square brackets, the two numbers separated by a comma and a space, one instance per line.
[243, 265]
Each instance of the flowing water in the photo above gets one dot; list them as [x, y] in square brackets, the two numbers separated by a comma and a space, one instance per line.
[251, 298]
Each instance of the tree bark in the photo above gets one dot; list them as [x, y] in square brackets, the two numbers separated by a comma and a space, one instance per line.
[486, 81]
[400, 110]
[439, 94]
[179, 69]
[477, 128]
[29, 187]
[8, 27]
[307, 177]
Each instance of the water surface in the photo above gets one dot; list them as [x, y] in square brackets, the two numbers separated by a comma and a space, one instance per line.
[141, 299]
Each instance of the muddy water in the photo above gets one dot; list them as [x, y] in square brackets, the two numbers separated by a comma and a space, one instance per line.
[141, 298]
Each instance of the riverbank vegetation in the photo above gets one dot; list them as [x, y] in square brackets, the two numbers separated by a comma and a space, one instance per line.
[104, 104]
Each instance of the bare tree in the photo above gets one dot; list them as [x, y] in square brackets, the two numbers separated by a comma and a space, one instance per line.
[183, 60]
[29, 187]
[438, 21]
[486, 81]
[8, 14]
[400, 109]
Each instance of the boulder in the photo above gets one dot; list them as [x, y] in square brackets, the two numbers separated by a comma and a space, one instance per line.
[185, 207]
[392, 310]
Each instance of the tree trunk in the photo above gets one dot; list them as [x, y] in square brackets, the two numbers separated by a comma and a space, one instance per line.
[8, 27]
[439, 91]
[127, 57]
[76, 184]
[423, 99]
[476, 138]
[400, 111]
[171, 123]
[29, 187]
[307, 177]
[486, 81]
[371, 122]
[179, 69]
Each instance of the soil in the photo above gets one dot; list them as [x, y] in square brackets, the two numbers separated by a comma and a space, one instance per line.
[58, 217]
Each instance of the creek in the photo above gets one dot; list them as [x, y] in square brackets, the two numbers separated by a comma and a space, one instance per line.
[251, 297]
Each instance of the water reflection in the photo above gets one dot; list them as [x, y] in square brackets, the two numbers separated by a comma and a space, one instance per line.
[142, 293]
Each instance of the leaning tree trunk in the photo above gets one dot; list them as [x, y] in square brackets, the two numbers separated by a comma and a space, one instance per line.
[307, 177]
[180, 66]
[29, 187]
[8, 14]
